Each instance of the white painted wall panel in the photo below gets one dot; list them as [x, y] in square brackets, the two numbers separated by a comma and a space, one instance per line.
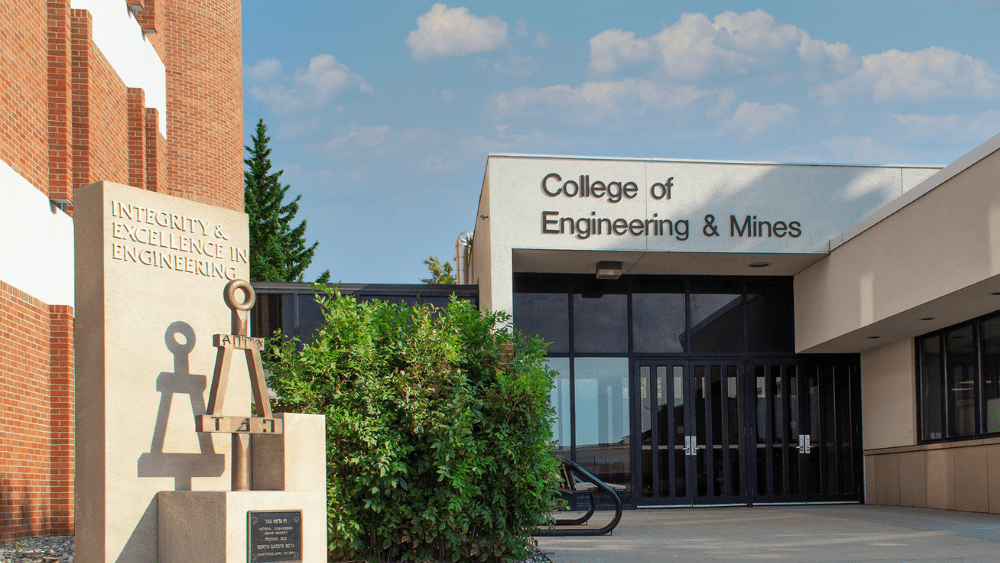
[120, 39]
[36, 241]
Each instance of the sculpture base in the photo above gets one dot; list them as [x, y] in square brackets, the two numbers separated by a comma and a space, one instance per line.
[213, 527]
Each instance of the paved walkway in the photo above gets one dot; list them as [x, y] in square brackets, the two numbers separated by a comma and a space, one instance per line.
[785, 533]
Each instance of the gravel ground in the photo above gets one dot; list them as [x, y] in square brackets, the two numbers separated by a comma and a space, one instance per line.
[59, 549]
[40, 549]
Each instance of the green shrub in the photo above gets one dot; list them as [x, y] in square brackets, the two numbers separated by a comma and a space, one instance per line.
[438, 429]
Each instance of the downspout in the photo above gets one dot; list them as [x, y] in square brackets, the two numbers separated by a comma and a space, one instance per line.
[462, 248]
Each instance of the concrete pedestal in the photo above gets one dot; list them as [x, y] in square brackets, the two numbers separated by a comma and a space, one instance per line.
[211, 526]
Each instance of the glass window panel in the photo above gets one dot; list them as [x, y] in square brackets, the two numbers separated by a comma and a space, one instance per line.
[716, 316]
[931, 388]
[960, 353]
[658, 322]
[602, 415]
[310, 317]
[991, 374]
[770, 315]
[273, 311]
[439, 301]
[544, 314]
[559, 399]
[600, 316]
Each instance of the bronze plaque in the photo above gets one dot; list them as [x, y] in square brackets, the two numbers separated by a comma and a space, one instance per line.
[274, 537]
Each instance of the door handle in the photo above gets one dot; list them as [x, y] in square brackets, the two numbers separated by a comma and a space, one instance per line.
[804, 444]
[690, 445]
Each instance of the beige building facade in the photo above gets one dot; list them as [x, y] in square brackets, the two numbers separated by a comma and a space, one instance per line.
[752, 333]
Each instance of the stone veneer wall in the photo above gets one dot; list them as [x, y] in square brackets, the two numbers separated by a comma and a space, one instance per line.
[951, 476]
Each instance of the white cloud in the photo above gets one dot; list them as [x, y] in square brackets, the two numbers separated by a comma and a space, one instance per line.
[934, 73]
[974, 128]
[360, 136]
[751, 118]
[310, 88]
[593, 102]
[438, 163]
[541, 40]
[695, 47]
[522, 28]
[289, 129]
[263, 71]
[452, 32]
[447, 95]
[517, 65]
[326, 75]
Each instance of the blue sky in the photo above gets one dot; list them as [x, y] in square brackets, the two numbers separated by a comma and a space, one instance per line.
[381, 114]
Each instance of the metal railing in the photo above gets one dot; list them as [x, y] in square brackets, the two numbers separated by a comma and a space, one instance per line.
[590, 486]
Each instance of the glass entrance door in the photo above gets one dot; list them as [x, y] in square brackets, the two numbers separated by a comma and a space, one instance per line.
[781, 444]
[729, 432]
[688, 437]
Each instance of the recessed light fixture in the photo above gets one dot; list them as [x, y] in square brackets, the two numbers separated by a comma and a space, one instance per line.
[873, 337]
[995, 293]
[760, 264]
[927, 318]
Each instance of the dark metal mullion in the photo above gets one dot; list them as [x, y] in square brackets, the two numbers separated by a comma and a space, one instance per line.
[946, 396]
[743, 409]
[672, 434]
[822, 430]
[918, 360]
[769, 428]
[709, 457]
[635, 385]
[978, 379]
[724, 405]
[785, 426]
[572, 371]
[857, 447]
[837, 405]
[654, 451]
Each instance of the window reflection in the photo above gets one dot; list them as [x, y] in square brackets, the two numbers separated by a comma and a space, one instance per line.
[960, 352]
[544, 314]
[931, 387]
[991, 375]
[658, 322]
[716, 316]
[559, 399]
[600, 317]
[602, 407]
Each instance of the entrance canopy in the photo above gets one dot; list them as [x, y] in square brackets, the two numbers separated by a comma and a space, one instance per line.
[565, 214]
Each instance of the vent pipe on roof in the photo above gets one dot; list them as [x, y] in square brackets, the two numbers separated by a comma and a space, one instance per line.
[463, 246]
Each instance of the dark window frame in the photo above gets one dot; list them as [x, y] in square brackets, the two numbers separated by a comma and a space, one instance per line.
[945, 397]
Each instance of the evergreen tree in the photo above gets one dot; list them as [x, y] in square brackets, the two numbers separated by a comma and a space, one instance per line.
[441, 274]
[278, 252]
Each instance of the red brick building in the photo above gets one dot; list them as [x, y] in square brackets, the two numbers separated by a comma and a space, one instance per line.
[146, 93]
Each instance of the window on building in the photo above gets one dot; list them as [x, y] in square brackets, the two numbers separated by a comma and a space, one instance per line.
[958, 380]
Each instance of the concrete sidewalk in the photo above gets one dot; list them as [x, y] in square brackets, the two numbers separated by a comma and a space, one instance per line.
[788, 533]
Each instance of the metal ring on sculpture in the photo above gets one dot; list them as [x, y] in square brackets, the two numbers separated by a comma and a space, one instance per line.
[249, 296]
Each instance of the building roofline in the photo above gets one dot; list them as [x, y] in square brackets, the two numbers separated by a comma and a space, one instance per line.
[947, 173]
[698, 161]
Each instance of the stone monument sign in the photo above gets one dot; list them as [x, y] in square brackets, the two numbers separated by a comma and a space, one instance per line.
[151, 270]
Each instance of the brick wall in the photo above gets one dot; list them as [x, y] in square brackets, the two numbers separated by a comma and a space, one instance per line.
[23, 89]
[100, 111]
[66, 120]
[36, 414]
[205, 101]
